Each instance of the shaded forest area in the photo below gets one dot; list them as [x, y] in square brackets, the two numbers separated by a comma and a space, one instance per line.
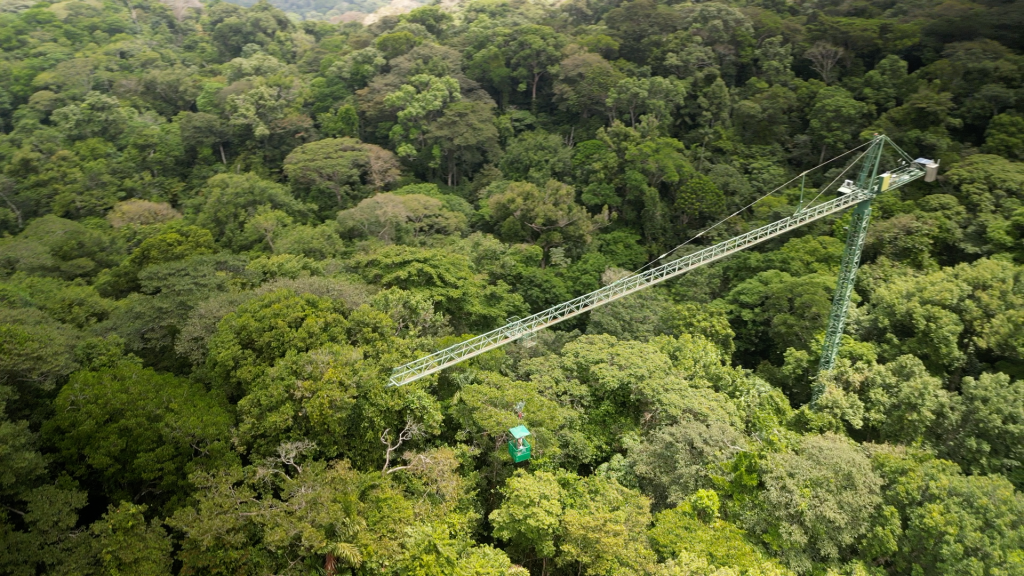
[220, 230]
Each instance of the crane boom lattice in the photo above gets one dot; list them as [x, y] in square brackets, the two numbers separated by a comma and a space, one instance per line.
[854, 194]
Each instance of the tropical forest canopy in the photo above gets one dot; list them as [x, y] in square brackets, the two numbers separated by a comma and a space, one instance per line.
[221, 229]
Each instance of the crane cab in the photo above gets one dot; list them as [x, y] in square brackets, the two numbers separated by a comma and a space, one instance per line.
[518, 447]
[931, 168]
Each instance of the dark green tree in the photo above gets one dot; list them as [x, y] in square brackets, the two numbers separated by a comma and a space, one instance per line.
[132, 433]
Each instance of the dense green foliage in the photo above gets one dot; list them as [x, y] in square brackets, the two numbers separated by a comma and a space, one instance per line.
[221, 227]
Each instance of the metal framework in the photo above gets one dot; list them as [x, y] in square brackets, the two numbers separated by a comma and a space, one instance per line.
[858, 230]
[856, 194]
[844, 286]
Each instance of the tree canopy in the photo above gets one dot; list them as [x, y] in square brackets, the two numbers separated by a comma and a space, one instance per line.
[223, 225]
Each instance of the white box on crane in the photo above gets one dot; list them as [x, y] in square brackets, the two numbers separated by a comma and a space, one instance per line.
[931, 168]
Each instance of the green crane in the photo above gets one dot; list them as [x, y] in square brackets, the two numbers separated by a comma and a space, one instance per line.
[857, 195]
[851, 256]
[870, 179]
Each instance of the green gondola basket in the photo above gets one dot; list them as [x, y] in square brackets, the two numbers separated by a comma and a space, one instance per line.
[519, 448]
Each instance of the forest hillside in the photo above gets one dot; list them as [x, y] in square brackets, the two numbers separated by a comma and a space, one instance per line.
[221, 227]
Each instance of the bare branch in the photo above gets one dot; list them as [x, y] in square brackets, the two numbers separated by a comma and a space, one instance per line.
[289, 451]
[181, 7]
[416, 461]
[18, 512]
[7, 187]
[823, 57]
[411, 430]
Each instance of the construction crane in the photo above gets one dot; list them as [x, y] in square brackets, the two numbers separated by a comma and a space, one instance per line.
[857, 194]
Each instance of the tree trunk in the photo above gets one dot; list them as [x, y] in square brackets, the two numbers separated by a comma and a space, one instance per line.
[330, 565]
[536, 80]
[14, 208]
[822, 157]
[703, 146]
[223, 156]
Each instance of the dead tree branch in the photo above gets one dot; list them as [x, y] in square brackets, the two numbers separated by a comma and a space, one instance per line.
[823, 57]
[411, 430]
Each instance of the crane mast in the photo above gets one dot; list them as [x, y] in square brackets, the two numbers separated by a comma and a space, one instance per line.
[855, 236]
[869, 184]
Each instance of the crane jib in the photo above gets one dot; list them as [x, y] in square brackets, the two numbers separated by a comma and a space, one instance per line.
[514, 330]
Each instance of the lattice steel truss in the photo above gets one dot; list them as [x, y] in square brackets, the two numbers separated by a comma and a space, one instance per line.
[869, 179]
[858, 193]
